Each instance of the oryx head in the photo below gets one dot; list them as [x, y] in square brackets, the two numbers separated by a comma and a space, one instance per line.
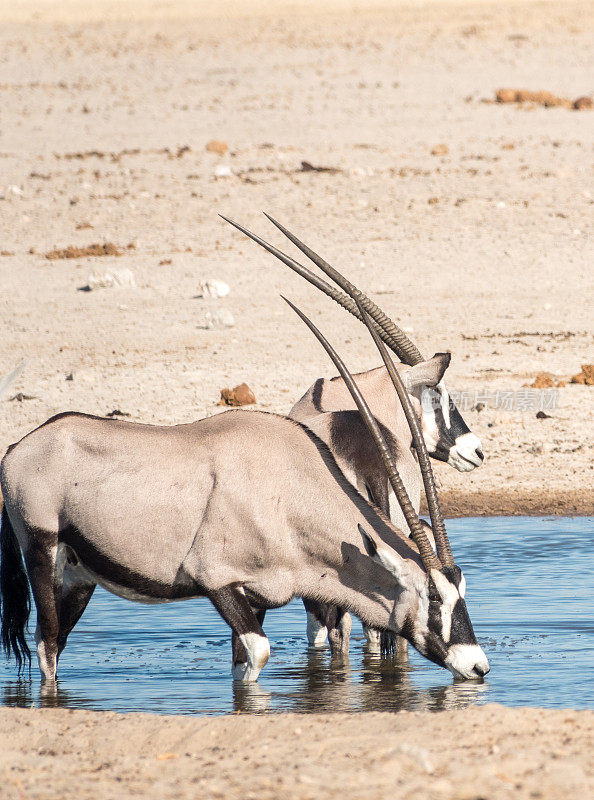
[448, 437]
[437, 622]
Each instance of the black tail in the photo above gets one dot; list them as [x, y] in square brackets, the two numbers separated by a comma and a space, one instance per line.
[15, 599]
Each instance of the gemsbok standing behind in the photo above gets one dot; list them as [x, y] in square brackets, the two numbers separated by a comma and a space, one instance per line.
[248, 509]
[327, 408]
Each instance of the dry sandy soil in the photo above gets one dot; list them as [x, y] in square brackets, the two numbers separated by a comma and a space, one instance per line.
[484, 248]
[490, 752]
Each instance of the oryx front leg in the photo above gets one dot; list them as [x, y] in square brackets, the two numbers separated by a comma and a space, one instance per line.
[234, 608]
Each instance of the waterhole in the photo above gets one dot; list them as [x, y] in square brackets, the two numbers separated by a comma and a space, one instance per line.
[530, 592]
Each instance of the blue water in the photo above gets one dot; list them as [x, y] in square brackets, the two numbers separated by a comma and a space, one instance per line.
[530, 592]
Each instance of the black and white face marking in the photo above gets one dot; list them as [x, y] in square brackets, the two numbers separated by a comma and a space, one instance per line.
[447, 436]
[443, 631]
[439, 627]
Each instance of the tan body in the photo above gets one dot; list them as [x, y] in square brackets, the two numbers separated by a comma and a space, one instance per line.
[242, 499]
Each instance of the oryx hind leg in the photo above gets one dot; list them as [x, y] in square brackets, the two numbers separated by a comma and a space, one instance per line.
[40, 559]
[234, 608]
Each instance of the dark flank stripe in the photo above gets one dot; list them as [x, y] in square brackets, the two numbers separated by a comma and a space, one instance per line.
[101, 565]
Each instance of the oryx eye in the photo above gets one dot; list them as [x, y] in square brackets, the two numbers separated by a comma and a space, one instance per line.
[434, 598]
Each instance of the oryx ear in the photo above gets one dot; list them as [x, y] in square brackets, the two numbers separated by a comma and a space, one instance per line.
[384, 555]
[427, 373]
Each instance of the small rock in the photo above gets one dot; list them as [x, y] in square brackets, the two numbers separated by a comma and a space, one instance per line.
[440, 150]
[216, 146]
[582, 103]
[545, 381]
[542, 415]
[241, 395]
[212, 287]
[222, 171]
[506, 96]
[222, 318]
[586, 376]
[111, 278]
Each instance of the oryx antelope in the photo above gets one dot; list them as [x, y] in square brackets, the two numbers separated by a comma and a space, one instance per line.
[246, 508]
[328, 409]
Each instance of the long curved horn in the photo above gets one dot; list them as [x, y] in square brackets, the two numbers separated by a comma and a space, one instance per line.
[403, 347]
[418, 535]
[339, 297]
[442, 543]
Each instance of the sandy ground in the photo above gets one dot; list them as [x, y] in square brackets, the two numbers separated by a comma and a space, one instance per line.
[490, 752]
[484, 249]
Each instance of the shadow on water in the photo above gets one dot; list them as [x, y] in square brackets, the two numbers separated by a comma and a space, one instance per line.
[530, 587]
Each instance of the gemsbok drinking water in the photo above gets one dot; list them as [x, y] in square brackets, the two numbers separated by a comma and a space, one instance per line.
[328, 409]
[249, 509]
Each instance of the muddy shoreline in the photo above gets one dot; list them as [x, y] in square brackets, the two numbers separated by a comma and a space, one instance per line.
[516, 502]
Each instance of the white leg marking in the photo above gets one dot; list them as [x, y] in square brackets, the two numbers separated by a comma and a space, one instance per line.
[316, 632]
[373, 640]
[258, 651]
[48, 671]
[401, 649]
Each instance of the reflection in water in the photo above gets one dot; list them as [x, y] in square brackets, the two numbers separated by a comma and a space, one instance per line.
[324, 686]
[529, 597]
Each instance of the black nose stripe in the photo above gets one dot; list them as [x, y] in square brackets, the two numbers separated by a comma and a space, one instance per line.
[461, 631]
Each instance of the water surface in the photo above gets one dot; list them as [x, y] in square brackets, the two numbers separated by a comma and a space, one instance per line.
[530, 591]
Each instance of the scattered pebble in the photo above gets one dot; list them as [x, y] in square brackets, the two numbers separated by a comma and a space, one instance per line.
[586, 376]
[117, 413]
[214, 288]
[440, 150]
[241, 395]
[222, 318]
[222, 171]
[106, 249]
[542, 415]
[545, 381]
[217, 146]
[111, 278]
